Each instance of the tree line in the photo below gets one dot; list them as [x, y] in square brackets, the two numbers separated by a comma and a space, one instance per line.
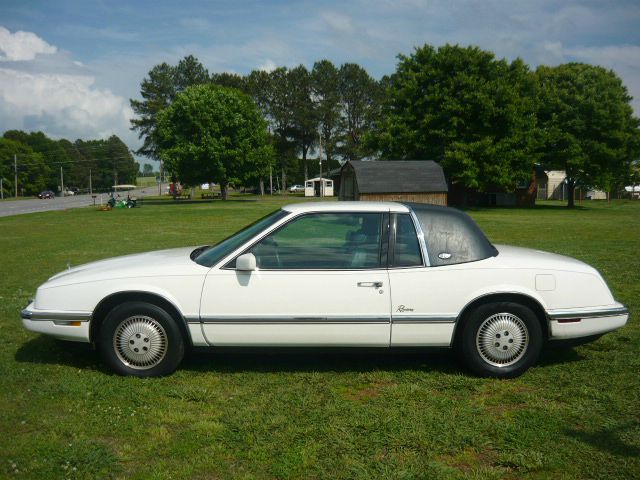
[487, 121]
[39, 160]
[328, 106]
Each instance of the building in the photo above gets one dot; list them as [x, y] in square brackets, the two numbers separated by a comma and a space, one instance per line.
[313, 185]
[419, 181]
[552, 185]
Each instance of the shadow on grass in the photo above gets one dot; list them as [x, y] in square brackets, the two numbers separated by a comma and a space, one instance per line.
[607, 440]
[291, 360]
[46, 350]
[558, 354]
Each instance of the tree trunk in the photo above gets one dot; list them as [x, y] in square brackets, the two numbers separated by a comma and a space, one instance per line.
[223, 190]
[192, 193]
[284, 179]
[304, 163]
[571, 188]
[261, 186]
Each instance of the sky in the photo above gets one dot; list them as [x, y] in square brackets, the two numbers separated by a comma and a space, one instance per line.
[69, 67]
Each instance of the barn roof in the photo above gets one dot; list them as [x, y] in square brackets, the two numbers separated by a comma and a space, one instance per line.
[393, 176]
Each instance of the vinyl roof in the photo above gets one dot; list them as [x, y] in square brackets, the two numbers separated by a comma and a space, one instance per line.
[394, 176]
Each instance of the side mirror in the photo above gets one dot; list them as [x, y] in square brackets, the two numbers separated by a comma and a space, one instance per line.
[246, 262]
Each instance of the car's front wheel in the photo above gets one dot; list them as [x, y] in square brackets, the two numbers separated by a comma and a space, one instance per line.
[140, 339]
[501, 340]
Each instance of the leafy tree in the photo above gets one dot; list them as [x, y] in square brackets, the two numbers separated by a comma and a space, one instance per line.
[325, 80]
[230, 80]
[110, 161]
[465, 109]
[32, 171]
[147, 170]
[588, 127]
[212, 133]
[360, 97]
[188, 72]
[303, 116]
[158, 91]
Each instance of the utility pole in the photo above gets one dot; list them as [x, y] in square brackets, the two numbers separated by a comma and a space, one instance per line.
[2, 189]
[61, 182]
[15, 173]
[90, 184]
[270, 181]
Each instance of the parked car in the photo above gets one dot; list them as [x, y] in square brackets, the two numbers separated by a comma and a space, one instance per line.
[46, 194]
[296, 188]
[352, 274]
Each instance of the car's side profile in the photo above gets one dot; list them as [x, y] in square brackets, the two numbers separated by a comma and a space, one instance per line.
[374, 274]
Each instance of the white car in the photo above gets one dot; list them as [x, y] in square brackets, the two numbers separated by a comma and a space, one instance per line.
[352, 274]
[296, 188]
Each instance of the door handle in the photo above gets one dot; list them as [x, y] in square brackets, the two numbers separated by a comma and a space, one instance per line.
[370, 284]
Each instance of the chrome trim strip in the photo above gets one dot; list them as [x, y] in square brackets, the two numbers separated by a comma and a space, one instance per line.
[421, 240]
[601, 312]
[283, 319]
[424, 319]
[53, 316]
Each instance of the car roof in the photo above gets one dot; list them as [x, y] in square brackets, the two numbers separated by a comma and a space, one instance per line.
[346, 207]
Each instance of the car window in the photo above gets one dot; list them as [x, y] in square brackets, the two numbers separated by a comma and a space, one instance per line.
[214, 254]
[323, 241]
[406, 247]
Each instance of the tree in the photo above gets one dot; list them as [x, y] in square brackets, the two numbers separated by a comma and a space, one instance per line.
[158, 91]
[147, 170]
[325, 80]
[465, 109]
[304, 122]
[588, 127]
[360, 97]
[212, 133]
[32, 171]
[230, 80]
[188, 72]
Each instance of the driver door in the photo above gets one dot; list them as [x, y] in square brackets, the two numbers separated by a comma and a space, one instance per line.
[320, 280]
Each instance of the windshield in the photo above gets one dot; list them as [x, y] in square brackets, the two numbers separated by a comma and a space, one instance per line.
[213, 255]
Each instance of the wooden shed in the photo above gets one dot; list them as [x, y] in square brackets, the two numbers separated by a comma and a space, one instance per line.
[419, 181]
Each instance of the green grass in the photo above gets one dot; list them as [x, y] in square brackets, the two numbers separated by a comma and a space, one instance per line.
[313, 414]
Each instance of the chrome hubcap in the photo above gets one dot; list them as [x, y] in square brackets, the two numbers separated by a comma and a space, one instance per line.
[502, 339]
[140, 342]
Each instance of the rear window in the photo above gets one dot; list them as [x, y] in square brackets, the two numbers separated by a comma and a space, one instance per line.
[451, 236]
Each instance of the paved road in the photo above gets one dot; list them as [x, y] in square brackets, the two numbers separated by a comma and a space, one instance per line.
[32, 205]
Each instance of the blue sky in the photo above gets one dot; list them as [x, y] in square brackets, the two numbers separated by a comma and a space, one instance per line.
[69, 67]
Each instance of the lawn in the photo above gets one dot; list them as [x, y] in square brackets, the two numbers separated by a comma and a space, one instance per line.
[339, 414]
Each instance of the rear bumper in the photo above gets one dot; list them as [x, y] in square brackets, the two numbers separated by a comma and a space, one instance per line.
[586, 322]
[63, 325]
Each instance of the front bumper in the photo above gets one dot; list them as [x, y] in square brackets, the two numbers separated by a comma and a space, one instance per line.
[72, 326]
[586, 322]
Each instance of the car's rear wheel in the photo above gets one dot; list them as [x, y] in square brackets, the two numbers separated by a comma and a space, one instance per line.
[501, 339]
[140, 339]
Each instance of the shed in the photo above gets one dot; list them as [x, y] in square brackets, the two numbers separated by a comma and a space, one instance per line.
[313, 185]
[420, 181]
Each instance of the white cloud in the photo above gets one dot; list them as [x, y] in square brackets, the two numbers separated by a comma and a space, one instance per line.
[20, 46]
[268, 66]
[61, 105]
[55, 94]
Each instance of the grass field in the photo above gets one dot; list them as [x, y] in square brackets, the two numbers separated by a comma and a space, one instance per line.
[315, 414]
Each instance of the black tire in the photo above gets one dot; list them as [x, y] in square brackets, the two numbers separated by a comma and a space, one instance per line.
[500, 340]
[147, 329]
